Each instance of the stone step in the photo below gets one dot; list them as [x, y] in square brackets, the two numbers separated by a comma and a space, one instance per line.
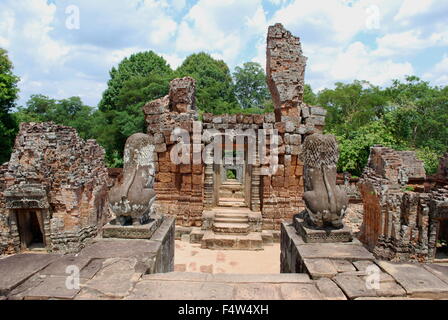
[230, 202]
[235, 215]
[231, 182]
[231, 228]
[225, 219]
[217, 241]
[231, 187]
[236, 195]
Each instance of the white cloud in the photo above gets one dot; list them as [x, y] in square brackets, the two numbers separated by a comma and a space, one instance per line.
[221, 28]
[409, 42]
[411, 8]
[178, 5]
[439, 73]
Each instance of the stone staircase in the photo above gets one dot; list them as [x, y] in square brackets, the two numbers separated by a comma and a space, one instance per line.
[232, 225]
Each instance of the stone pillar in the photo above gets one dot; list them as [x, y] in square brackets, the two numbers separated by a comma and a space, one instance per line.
[285, 67]
[255, 185]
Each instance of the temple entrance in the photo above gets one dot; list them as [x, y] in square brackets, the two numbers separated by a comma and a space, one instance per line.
[442, 241]
[31, 229]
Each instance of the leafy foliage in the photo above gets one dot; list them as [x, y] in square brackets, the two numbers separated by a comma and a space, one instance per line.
[8, 95]
[409, 115]
[214, 86]
[251, 89]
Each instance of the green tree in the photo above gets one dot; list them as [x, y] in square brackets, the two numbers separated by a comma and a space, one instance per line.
[137, 65]
[8, 96]
[137, 80]
[309, 96]
[250, 86]
[70, 112]
[214, 86]
[350, 106]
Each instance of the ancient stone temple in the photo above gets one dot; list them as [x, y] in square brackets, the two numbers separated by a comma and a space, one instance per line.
[53, 192]
[259, 153]
[403, 217]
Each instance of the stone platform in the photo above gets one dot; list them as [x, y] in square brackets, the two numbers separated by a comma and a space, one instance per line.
[310, 235]
[112, 230]
[43, 277]
[108, 267]
[319, 260]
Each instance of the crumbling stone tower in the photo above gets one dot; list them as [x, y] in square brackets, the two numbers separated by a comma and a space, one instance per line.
[402, 216]
[53, 191]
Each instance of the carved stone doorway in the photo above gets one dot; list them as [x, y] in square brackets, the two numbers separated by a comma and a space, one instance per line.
[442, 240]
[30, 225]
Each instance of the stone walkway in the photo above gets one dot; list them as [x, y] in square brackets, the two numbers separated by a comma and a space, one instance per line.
[118, 273]
[192, 258]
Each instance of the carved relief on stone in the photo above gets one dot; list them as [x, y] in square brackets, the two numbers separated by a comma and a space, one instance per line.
[326, 203]
[132, 199]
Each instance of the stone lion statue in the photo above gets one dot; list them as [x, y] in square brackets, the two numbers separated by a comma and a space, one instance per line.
[133, 198]
[326, 203]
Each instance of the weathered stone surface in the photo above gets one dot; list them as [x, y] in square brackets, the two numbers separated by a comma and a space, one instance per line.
[285, 67]
[343, 266]
[349, 251]
[52, 287]
[147, 252]
[256, 291]
[132, 199]
[325, 202]
[416, 280]
[182, 95]
[59, 267]
[300, 292]
[16, 269]
[320, 268]
[439, 271]
[262, 278]
[63, 179]
[329, 290]
[116, 278]
[169, 290]
[394, 195]
[354, 287]
[313, 235]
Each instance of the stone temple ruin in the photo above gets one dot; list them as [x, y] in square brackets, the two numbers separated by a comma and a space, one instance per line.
[53, 190]
[236, 213]
[236, 182]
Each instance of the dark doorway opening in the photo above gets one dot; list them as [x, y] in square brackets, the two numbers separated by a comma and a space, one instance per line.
[31, 230]
[442, 241]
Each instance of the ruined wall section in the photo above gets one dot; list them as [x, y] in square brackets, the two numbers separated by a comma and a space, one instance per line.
[397, 219]
[179, 187]
[285, 69]
[6, 243]
[71, 172]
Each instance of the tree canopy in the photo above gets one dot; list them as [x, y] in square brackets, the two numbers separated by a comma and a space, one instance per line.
[214, 86]
[251, 89]
[8, 95]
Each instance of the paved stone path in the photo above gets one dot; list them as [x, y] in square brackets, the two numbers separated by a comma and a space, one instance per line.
[119, 274]
[192, 258]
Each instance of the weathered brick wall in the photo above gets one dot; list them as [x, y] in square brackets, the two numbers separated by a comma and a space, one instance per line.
[6, 244]
[399, 223]
[179, 187]
[285, 68]
[71, 171]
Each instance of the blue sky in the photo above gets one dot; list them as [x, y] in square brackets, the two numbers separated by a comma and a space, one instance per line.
[374, 40]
